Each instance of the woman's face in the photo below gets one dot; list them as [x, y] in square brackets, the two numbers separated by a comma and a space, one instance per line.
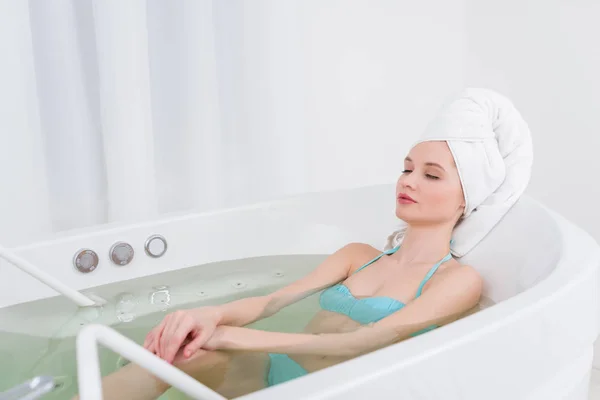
[429, 190]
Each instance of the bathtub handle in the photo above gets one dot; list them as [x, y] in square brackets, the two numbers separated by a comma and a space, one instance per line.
[25, 266]
[88, 367]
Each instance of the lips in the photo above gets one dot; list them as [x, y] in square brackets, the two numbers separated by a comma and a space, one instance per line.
[405, 199]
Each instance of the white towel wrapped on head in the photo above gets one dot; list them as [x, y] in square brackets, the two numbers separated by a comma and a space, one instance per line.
[492, 148]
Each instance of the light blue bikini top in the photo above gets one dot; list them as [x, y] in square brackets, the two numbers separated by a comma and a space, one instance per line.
[339, 299]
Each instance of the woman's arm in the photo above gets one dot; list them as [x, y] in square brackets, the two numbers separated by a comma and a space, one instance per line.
[334, 269]
[444, 301]
[197, 325]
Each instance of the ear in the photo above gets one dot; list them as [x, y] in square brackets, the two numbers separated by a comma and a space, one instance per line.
[461, 213]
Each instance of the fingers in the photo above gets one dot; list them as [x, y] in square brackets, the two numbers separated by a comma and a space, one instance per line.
[181, 360]
[200, 337]
[160, 336]
[149, 339]
[177, 331]
[175, 334]
[151, 342]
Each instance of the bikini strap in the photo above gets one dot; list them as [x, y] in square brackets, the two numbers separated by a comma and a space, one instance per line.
[384, 253]
[431, 272]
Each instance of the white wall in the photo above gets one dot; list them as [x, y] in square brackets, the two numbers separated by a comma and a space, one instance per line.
[361, 79]
[375, 73]
[332, 93]
[545, 56]
[351, 83]
[315, 94]
[347, 83]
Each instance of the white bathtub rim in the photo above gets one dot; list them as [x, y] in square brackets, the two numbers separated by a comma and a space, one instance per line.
[576, 374]
[560, 273]
[271, 206]
[163, 219]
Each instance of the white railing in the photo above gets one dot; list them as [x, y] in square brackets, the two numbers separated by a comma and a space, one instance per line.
[88, 366]
[24, 265]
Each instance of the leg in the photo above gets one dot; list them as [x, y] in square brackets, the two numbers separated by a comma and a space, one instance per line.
[229, 374]
[245, 373]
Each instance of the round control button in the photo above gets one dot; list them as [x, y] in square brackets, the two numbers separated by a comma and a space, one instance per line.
[121, 253]
[85, 260]
[156, 246]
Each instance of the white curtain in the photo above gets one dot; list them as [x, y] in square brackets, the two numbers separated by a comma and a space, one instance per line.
[122, 111]
[117, 111]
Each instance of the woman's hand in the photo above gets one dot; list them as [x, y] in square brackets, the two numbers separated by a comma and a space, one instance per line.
[189, 328]
[219, 338]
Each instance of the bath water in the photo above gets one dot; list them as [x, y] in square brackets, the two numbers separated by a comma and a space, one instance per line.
[25, 356]
[38, 338]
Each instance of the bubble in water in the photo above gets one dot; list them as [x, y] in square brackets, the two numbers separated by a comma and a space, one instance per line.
[126, 304]
[126, 317]
[161, 297]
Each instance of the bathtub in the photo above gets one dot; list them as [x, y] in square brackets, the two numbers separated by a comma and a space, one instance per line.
[534, 342]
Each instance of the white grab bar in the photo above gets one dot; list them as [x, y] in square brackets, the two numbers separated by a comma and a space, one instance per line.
[88, 366]
[24, 265]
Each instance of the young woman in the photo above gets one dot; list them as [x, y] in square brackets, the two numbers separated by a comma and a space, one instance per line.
[476, 155]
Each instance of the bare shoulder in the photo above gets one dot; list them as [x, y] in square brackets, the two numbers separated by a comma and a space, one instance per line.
[468, 273]
[462, 277]
[359, 253]
[358, 248]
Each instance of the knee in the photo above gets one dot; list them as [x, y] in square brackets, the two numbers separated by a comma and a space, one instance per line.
[208, 367]
[204, 358]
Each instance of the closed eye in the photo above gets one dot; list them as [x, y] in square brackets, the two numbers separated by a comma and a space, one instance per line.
[429, 176]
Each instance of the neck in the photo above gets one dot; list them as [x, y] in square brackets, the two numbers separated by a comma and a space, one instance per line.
[424, 244]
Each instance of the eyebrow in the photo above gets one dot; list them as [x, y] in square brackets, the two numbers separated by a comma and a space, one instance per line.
[428, 163]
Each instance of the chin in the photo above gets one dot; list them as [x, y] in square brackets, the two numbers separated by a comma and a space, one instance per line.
[403, 214]
[413, 216]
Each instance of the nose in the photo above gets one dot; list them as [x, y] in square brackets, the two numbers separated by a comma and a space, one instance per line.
[407, 181]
